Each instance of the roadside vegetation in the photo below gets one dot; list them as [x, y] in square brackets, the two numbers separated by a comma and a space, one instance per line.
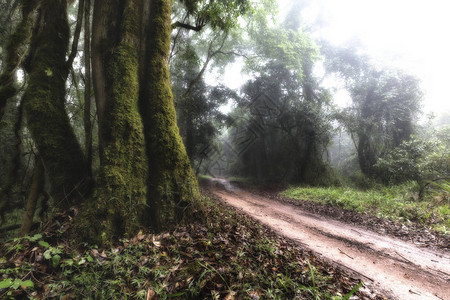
[398, 203]
[227, 256]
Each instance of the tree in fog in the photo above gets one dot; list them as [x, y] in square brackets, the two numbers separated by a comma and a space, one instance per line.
[384, 107]
[283, 114]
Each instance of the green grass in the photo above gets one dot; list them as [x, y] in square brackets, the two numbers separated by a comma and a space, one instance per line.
[204, 177]
[395, 202]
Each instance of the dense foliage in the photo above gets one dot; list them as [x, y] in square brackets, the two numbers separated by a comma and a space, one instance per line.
[384, 107]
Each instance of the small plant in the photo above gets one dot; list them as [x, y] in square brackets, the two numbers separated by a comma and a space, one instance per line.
[15, 284]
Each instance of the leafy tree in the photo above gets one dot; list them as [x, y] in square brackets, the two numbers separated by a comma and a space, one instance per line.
[197, 104]
[384, 105]
[281, 128]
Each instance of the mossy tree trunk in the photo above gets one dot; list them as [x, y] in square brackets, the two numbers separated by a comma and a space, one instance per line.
[44, 105]
[14, 55]
[172, 186]
[120, 194]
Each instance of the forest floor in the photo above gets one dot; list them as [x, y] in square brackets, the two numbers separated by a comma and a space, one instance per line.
[403, 262]
[222, 254]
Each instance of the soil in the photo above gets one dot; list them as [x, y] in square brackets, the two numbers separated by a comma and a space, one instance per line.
[399, 268]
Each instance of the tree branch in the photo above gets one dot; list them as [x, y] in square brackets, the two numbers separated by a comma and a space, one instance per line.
[232, 53]
[188, 26]
[175, 40]
[76, 36]
[211, 54]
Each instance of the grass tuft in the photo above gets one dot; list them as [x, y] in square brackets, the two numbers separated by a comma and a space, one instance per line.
[393, 202]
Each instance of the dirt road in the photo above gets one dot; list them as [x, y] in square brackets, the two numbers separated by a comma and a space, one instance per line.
[398, 269]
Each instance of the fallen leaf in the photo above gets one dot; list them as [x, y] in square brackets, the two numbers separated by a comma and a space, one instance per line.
[151, 295]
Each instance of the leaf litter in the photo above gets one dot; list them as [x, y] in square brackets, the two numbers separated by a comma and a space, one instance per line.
[227, 255]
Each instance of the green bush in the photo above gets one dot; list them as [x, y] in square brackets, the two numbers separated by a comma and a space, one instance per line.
[415, 160]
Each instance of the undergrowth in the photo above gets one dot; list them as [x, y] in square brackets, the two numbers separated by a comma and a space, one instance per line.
[394, 202]
[226, 256]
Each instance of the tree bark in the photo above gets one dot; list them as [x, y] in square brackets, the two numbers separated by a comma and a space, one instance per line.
[14, 56]
[36, 188]
[120, 194]
[172, 186]
[104, 37]
[87, 87]
[44, 105]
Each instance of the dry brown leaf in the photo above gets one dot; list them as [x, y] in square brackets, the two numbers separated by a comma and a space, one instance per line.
[151, 295]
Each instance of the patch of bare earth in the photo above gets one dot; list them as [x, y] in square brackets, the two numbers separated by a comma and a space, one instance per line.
[398, 268]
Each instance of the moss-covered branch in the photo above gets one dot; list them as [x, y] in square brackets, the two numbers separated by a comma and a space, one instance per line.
[44, 104]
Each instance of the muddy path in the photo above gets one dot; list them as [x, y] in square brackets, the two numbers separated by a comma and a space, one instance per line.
[398, 269]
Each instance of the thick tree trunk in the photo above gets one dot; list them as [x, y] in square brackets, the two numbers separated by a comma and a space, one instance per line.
[366, 150]
[44, 105]
[366, 155]
[87, 87]
[104, 37]
[120, 195]
[172, 188]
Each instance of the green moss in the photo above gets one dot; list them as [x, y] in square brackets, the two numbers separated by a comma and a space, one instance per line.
[44, 106]
[120, 195]
[20, 37]
[173, 188]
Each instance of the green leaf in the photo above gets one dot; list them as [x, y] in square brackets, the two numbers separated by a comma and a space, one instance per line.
[47, 254]
[35, 237]
[44, 244]
[48, 72]
[55, 260]
[352, 291]
[89, 258]
[6, 283]
[16, 284]
[27, 283]
[68, 262]
[176, 295]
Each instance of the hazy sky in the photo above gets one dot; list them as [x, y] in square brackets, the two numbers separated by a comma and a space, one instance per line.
[410, 34]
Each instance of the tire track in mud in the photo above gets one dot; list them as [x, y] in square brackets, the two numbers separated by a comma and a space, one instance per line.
[399, 269]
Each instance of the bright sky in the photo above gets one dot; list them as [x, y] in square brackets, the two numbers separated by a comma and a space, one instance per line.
[409, 34]
[412, 35]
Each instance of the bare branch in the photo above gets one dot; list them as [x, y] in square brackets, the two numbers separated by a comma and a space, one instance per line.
[232, 53]
[210, 56]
